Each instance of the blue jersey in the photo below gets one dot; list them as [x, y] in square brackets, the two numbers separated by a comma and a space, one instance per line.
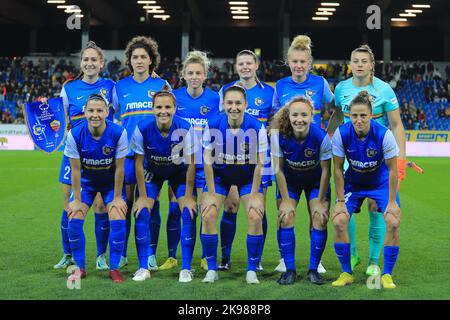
[134, 101]
[259, 99]
[366, 158]
[314, 87]
[165, 157]
[235, 152]
[97, 157]
[75, 94]
[302, 159]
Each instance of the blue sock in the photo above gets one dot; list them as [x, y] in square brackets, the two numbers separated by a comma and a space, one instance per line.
[64, 233]
[287, 246]
[264, 226]
[101, 232]
[254, 244]
[343, 254]
[142, 237]
[77, 242]
[116, 242]
[201, 224]
[173, 228]
[351, 229]
[209, 244]
[188, 234]
[278, 242]
[127, 227]
[155, 224]
[390, 257]
[227, 233]
[318, 241]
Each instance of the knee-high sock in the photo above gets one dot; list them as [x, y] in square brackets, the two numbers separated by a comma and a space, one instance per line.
[343, 254]
[188, 234]
[209, 244]
[318, 241]
[127, 226]
[101, 232]
[201, 224]
[351, 228]
[227, 233]
[278, 242]
[254, 244]
[287, 246]
[77, 242]
[64, 233]
[173, 228]
[116, 242]
[390, 257]
[142, 237]
[155, 225]
[377, 231]
[264, 226]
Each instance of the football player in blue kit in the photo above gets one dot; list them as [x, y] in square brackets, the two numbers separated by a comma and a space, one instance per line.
[301, 82]
[132, 100]
[302, 159]
[198, 105]
[235, 147]
[384, 104]
[97, 149]
[371, 151]
[158, 150]
[259, 105]
[74, 94]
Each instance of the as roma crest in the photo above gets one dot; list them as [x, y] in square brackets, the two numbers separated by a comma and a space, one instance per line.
[55, 125]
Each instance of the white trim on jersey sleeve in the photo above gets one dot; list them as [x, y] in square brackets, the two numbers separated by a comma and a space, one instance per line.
[390, 147]
[328, 96]
[221, 99]
[206, 139]
[122, 145]
[115, 100]
[71, 150]
[326, 149]
[338, 146]
[137, 142]
[65, 98]
[263, 144]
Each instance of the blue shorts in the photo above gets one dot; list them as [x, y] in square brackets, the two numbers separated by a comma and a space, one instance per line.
[311, 192]
[130, 171]
[88, 196]
[153, 185]
[354, 197]
[223, 187]
[65, 171]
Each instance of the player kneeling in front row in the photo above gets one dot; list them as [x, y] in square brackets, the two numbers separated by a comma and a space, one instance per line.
[157, 141]
[97, 149]
[371, 151]
[235, 147]
[302, 159]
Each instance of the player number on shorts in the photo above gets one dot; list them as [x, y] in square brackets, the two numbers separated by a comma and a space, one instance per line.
[347, 196]
[67, 173]
[148, 176]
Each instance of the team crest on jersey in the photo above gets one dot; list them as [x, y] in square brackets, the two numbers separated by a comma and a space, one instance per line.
[372, 98]
[309, 152]
[310, 93]
[55, 124]
[38, 129]
[151, 93]
[204, 110]
[104, 92]
[259, 101]
[371, 152]
[245, 147]
[107, 150]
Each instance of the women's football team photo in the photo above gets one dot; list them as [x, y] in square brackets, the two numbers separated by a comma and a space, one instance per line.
[220, 150]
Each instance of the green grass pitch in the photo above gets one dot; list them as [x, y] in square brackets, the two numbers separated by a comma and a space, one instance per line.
[31, 203]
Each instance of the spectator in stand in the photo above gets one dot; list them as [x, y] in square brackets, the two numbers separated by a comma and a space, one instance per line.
[447, 112]
[430, 70]
[409, 125]
[6, 117]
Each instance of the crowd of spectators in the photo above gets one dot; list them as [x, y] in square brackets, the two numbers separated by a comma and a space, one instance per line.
[22, 80]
